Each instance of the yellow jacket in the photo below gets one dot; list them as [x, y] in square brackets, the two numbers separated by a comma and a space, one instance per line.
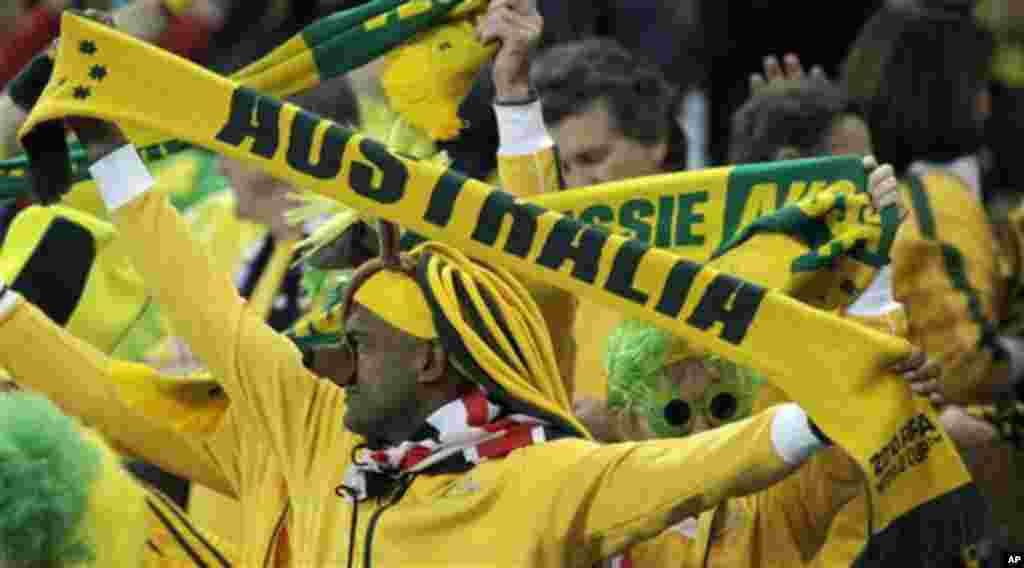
[819, 512]
[946, 272]
[566, 502]
[784, 525]
[187, 426]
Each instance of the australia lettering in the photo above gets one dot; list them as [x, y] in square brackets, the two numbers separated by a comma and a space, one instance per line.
[726, 301]
[254, 119]
[725, 307]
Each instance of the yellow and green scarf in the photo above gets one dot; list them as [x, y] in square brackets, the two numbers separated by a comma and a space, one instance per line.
[431, 57]
[911, 465]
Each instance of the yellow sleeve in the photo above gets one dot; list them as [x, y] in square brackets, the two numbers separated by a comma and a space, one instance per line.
[261, 371]
[668, 549]
[945, 271]
[805, 504]
[532, 174]
[122, 400]
[175, 540]
[619, 494]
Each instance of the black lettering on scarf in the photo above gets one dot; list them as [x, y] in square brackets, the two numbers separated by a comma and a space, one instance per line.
[620, 280]
[559, 247]
[597, 215]
[499, 205]
[632, 215]
[300, 146]
[252, 116]
[666, 212]
[677, 288]
[730, 301]
[442, 198]
[394, 174]
[687, 218]
[909, 447]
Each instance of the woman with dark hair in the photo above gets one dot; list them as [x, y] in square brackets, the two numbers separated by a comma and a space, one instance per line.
[667, 33]
[919, 70]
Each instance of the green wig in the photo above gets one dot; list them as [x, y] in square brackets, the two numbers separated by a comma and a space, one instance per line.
[637, 358]
[46, 471]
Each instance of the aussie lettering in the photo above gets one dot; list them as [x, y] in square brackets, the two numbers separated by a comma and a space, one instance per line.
[682, 219]
[392, 183]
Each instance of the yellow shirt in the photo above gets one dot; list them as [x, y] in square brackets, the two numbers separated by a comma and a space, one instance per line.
[946, 272]
[784, 525]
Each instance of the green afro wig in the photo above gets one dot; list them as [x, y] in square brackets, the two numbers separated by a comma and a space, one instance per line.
[46, 471]
[637, 359]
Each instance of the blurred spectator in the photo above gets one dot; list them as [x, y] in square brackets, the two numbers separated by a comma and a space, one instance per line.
[661, 31]
[611, 114]
[1004, 172]
[252, 28]
[919, 70]
[805, 118]
[737, 34]
[186, 32]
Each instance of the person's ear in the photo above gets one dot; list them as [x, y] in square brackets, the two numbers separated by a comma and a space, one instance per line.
[983, 105]
[434, 363]
[787, 153]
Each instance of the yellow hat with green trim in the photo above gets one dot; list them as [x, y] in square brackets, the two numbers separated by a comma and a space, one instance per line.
[71, 265]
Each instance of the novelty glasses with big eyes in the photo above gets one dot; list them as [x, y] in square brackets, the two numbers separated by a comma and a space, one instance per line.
[721, 406]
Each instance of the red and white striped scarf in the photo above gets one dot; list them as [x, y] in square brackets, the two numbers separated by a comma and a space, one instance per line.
[462, 433]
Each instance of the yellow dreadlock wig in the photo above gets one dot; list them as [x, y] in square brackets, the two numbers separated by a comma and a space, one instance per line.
[65, 500]
[483, 316]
